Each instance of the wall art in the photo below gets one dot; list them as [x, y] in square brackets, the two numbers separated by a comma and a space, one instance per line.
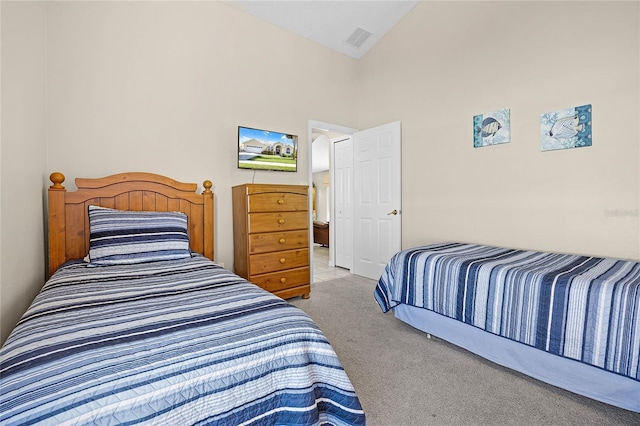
[492, 128]
[568, 128]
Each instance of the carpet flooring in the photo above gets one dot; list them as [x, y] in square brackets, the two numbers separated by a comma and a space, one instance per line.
[404, 378]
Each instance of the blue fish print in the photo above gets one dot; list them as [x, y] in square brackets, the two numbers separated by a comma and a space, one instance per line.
[490, 127]
[566, 127]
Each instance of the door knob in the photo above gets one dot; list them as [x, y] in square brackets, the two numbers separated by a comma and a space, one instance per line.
[394, 212]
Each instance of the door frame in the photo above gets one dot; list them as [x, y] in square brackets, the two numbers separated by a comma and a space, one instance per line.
[314, 124]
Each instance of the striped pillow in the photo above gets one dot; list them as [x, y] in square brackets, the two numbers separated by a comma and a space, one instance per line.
[119, 237]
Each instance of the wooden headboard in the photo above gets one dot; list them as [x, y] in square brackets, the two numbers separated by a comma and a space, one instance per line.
[68, 211]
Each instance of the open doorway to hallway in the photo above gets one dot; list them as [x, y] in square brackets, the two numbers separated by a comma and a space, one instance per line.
[324, 218]
[365, 224]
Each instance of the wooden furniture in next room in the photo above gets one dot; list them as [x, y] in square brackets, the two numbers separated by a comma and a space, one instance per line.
[271, 237]
[321, 233]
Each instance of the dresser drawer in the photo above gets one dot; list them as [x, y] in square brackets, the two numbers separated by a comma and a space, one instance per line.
[282, 280]
[276, 241]
[278, 261]
[277, 202]
[272, 222]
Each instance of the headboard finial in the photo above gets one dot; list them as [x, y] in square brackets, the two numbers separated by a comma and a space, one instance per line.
[57, 178]
[207, 186]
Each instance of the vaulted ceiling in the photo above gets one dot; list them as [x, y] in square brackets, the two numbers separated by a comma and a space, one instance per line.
[349, 27]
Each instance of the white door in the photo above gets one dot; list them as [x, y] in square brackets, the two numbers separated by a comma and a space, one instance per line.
[377, 198]
[342, 185]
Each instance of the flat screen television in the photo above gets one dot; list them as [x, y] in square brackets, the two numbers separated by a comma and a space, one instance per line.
[267, 150]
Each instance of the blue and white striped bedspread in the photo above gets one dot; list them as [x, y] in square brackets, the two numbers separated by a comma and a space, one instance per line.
[173, 343]
[579, 307]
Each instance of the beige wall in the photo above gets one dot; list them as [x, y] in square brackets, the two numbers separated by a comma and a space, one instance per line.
[162, 87]
[448, 61]
[322, 192]
[23, 159]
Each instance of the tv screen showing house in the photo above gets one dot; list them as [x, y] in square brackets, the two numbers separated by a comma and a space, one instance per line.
[267, 150]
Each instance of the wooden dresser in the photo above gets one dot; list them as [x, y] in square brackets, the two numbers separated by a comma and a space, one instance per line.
[271, 237]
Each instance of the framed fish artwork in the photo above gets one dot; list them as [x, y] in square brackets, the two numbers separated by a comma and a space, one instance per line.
[492, 128]
[569, 128]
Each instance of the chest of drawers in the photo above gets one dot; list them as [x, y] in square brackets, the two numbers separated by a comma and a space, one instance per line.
[271, 237]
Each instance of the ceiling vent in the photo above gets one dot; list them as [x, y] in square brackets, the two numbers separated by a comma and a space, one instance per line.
[358, 37]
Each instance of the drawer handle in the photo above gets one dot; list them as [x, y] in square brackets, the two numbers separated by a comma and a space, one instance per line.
[282, 260]
[280, 221]
[281, 241]
[280, 201]
[283, 280]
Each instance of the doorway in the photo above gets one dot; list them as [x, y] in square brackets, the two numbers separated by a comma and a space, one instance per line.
[322, 137]
[373, 159]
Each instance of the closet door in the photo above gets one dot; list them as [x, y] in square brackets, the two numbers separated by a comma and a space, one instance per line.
[343, 198]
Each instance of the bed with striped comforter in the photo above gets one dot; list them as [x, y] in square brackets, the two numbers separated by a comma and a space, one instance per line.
[172, 342]
[578, 307]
